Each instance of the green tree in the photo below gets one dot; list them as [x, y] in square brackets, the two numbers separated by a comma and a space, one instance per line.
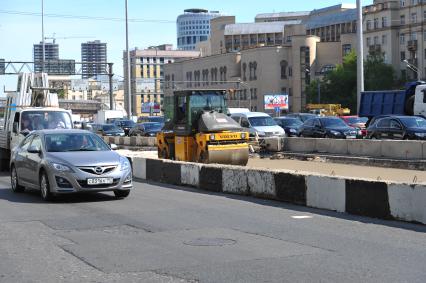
[378, 74]
[61, 94]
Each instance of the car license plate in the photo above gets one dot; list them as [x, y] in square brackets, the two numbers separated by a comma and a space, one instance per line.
[99, 181]
[351, 137]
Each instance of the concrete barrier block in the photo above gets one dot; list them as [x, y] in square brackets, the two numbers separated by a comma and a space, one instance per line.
[154, 170]
[408, 202]
[190, 174]
[424, 149]
[323, 145]
[171, 172]
[326, 193]
[117, 140]
[300, 144]
[290, 188]
[139, 141]
[235, 181]
[106, 139]
[211, 178]
[133, 141]
[338, 147]
[367, 198]
[402, 149]
[126, 141]
[371, 148]
[139, 168]
[261, 183]
[121, 141]
[151, 141]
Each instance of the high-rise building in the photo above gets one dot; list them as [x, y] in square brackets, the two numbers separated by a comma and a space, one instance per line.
[93, 52]
[193, 26]
[51, 52]
[147, 76]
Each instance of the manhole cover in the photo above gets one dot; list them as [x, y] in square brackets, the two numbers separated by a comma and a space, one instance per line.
[210, 242]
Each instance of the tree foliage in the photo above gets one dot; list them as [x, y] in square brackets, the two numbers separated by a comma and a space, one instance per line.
[340, 85]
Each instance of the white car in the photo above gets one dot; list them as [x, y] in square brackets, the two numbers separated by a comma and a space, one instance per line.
[259, 123]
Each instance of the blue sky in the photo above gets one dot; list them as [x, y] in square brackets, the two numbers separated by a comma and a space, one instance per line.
[19, 32]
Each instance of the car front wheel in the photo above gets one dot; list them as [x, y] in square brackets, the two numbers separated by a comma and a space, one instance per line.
[45, 187]
[14, 180]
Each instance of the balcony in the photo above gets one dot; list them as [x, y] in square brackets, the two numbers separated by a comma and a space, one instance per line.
[413, 62]
[412, 45]
[375, 48]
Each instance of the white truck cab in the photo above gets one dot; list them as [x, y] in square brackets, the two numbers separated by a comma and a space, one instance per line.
[30, 108]
[420, 101]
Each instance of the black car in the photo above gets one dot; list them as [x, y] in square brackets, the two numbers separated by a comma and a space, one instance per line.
[146, 129]
[291, 126]
[107, 130]
[327, 127]
[398, 127]
[302, 116]
[126, 125]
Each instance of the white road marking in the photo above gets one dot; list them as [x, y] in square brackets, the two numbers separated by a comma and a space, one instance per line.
[302, 217]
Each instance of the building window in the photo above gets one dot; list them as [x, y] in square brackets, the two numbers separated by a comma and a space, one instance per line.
[384, 39]
[402, 55]
[413, 36]
[376, 40]
[376, 23]
[346, 49]
[384, 22]
[290, 71]
[284, 65]
[244, 71]
[369, 25]
[402, 38]
[414, 18]
[402, 3]
[402, 19]
[368, 41]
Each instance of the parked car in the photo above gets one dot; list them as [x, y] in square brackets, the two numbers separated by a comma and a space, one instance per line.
[259, 123]
[126, 125]
[302, 116]
[356, 122]
[69, 161]
[107, 130]
[327, 127]
[154, 119]
[291, 126]
[146, 129]
[398, 127]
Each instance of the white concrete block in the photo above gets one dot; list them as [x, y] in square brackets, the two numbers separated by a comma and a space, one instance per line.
[234, 181]
[261, 183]
[323, 145]
[408, 202]
[300, 144]
[402, 149]
[371, 148]
[190, 174]
[117, 140]
[326, 193]
[126, 141]
[338, 147]
[139, 168]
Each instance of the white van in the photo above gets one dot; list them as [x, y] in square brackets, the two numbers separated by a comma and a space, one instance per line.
[260, 123]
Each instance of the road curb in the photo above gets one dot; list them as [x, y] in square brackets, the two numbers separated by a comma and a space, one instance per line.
[383, 200]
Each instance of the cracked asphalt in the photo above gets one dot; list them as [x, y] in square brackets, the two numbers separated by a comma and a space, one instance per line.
[173, 234]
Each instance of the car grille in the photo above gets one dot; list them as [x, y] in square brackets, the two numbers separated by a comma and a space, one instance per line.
[83, 184]
[98, 170]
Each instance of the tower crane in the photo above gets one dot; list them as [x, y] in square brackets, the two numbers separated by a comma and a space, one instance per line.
[54, 38]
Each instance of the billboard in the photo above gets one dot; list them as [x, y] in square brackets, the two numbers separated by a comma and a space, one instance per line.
[276, 101]
[151, 107]
[144, 85]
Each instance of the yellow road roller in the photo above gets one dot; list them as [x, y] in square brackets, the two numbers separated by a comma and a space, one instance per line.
[197, 129]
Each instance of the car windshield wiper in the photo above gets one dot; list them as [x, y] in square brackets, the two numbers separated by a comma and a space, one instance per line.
[82, 149]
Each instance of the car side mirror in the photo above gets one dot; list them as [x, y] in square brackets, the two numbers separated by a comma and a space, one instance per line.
[34, 149]
[15, 127]
[113, 146]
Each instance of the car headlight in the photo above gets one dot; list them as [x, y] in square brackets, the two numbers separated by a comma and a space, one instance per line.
[336, 133]
[420, 135]
[294, 131]
[61, 167]
[124, 164]
[261, 134]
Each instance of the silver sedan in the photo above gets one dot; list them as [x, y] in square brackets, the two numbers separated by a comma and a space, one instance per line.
[69, 161]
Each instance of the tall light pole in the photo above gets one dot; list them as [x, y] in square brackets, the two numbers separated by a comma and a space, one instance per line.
[129, 91]
[42, 34]
[360, 57]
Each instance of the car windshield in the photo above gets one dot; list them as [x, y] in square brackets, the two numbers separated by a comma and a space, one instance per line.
[413, 122]
[333, 122]
[74, 142]
[357, 120]
[290, 122]
[41, 120]
[126, 123]
[262, 121]
[306, 117]
[153, 126]
[110, 128]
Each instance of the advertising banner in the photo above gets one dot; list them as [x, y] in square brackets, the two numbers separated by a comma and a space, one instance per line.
[276, 101]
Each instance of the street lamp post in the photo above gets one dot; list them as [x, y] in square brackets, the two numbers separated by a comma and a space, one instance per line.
[360, 57]
[129, 91]
[42, 35]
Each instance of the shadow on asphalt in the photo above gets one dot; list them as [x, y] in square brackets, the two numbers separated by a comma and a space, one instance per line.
[33, 196]
[416, 227]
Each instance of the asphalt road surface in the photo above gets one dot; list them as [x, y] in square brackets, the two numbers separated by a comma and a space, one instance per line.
[171, 234]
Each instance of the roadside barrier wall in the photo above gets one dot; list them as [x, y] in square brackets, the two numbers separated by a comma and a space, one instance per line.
[369, 198]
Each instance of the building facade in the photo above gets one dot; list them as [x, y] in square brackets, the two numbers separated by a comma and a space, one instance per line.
[193, 26]
[397, 29]
[96, 52]
[51, 53]
[147, 76]
[268, 57]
